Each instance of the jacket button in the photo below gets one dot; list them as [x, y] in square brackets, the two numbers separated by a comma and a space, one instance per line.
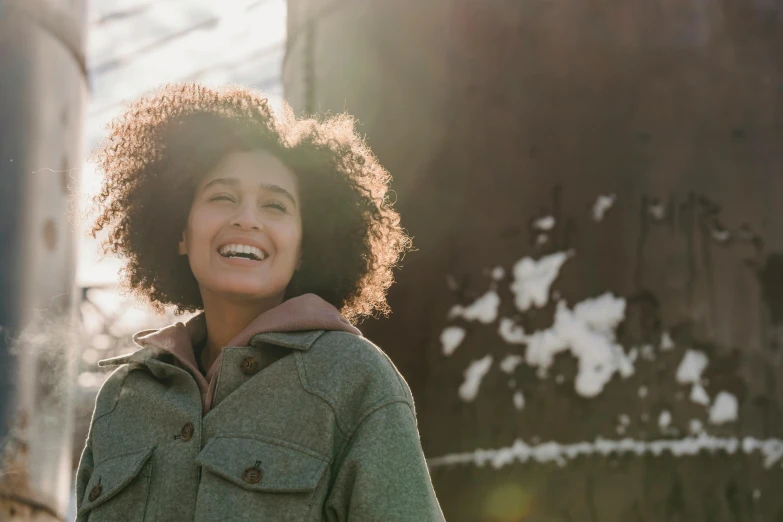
[249, 365]
[95, 492]
[252, 475]
[187, 431]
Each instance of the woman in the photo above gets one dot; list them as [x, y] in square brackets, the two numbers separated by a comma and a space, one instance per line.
[268, 404]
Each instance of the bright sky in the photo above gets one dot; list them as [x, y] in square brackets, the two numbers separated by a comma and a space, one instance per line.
[136, 45]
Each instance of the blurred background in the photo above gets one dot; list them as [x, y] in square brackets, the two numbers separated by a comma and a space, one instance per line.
[591, 325]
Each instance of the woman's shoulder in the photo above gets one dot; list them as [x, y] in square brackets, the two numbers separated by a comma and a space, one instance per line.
[353, 373]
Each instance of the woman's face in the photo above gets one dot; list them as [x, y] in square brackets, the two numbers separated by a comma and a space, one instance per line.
[244, 233]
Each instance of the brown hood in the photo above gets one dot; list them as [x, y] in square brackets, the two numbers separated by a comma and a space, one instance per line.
[305, 312]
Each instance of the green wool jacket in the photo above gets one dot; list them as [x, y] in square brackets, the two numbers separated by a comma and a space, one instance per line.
[304, 426]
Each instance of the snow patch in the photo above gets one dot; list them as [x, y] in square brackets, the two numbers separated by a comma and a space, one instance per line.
[588, 332]
[664, 420]
[473, 376]
[699, 395]
[602, 204]
[533, 279]
[544, 223]
[691, 367]
[483, 310]
[510, 332]
[451, 338]
[771, 450]
[666, 341]
[724, 409]
[510, 363]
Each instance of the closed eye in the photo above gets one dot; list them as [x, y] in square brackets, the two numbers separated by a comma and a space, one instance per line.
[278, 206]
[224, 197]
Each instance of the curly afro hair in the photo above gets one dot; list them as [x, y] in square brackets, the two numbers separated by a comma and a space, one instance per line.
[167, 140]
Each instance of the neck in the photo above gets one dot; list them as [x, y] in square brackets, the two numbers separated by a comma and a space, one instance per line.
[225, 318]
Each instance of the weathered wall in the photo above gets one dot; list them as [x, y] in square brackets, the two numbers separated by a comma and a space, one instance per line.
[621, 164]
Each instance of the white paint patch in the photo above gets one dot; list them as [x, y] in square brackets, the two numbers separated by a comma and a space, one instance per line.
[691, 367]
[624, 419]
[648, 352]
[602, 204]
[544, 223]
[699, 395]
[511, 332]
[541, 239]
[666, 341]
[771, 450]
[664, 420]
[473, 376]
[451, 338]
[642, 392]
[451, 283]
[532, 279]
[695, 426]
[724, 409]
[588, 331]
[519, 400]
[498, 273]
[510, 363]
[483, 310]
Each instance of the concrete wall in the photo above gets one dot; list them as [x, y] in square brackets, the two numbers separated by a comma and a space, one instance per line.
[594, 189]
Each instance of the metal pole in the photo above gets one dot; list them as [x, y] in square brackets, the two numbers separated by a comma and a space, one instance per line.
[43, 90]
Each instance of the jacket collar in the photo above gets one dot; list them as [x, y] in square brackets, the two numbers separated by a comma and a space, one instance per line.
[301, 341]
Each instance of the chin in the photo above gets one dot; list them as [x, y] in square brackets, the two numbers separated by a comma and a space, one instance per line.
[247, 292]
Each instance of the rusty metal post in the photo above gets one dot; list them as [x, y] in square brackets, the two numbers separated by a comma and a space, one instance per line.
[43, 89]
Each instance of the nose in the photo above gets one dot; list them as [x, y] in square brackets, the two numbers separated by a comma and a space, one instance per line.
[246, 218]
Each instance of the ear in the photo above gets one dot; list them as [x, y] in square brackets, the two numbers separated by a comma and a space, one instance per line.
[181, 247]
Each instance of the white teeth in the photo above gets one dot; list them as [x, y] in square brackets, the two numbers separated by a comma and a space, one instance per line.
[242, 249]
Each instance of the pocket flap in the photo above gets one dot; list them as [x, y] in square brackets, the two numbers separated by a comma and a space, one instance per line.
[110, 476]
[260, 465]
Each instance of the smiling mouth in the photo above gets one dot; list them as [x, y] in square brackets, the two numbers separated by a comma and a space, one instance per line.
[242, 251]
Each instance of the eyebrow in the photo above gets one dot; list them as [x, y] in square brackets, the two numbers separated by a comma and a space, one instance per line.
[234, 182]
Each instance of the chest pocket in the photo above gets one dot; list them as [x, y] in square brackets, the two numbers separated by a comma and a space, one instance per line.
[118, 489]
[251, 479]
